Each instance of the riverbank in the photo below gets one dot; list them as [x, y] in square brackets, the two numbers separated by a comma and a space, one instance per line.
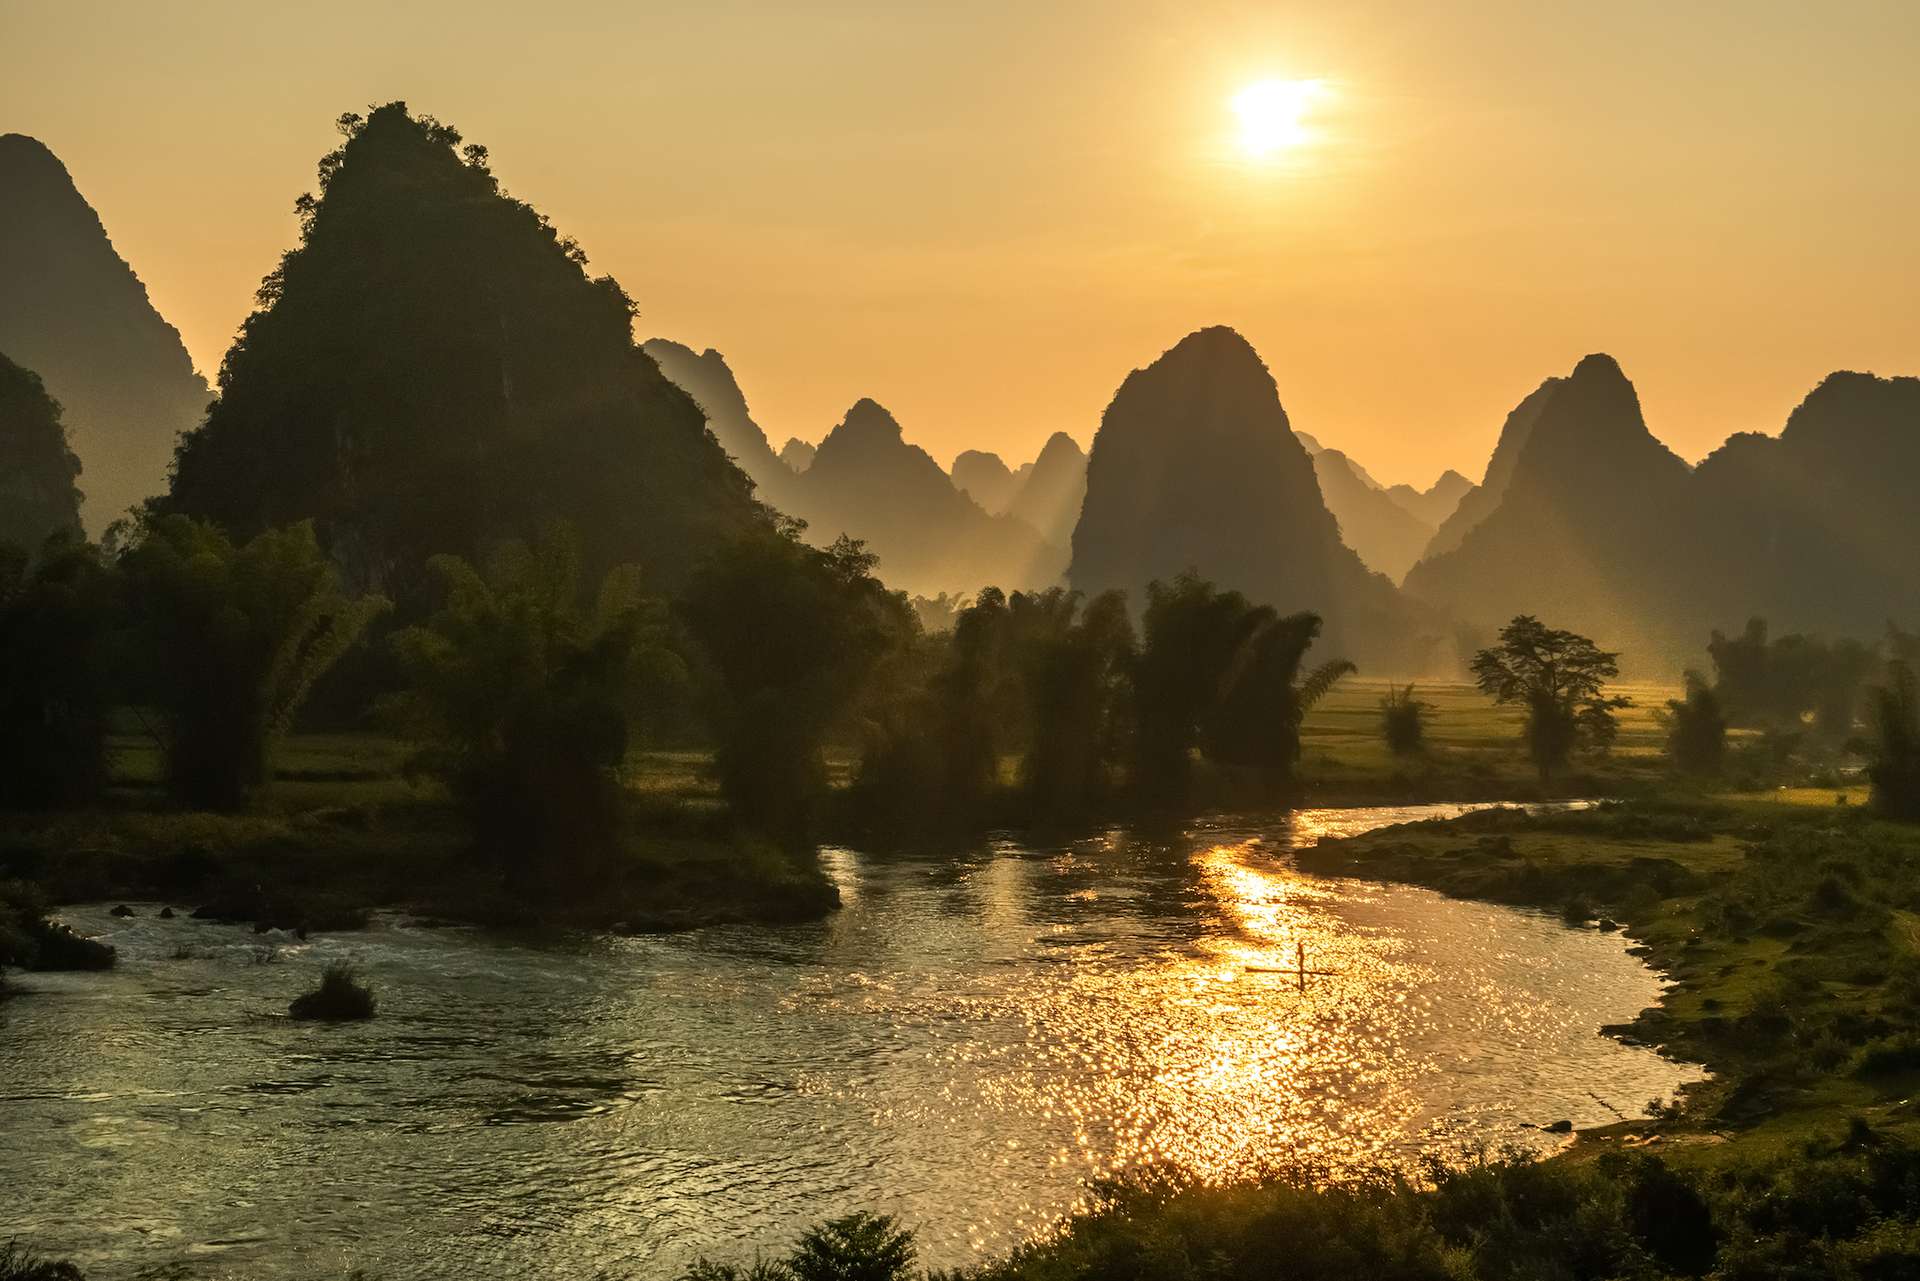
[342, 833]
[1790, 929]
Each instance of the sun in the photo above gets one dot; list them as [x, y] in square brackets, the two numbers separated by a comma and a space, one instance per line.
[1273, 114]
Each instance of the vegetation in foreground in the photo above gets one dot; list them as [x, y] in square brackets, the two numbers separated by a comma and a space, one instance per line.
[340, 998]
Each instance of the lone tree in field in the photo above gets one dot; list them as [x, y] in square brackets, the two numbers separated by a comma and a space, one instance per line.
[1560, 678]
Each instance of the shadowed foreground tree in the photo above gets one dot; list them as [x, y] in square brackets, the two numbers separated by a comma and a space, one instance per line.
[38, 496]
[228, 640]
[1559, 678]
[1220, 672]
[1894, 766]
[1255, 720]
[55, 620]
[1697, 729]
[1076, 665]
[794, 635]
[524, 699]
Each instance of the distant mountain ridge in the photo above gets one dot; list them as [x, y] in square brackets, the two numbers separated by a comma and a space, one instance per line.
[1386, 535]
[867, 481]
[73, 311]
[708, 378]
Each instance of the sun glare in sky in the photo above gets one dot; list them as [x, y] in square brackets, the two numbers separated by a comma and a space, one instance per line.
[1273, 114]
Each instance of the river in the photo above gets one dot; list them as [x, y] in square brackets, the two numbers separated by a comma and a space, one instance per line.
[964, 1045]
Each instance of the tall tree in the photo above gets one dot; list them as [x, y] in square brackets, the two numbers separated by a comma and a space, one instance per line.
[231, 638]
[793, 635]
[1560, 678]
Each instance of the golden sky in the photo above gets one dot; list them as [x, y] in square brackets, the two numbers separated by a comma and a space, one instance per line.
[985, 215]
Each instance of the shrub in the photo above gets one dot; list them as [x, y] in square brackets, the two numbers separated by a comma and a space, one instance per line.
[1403, 721]
[340, 997]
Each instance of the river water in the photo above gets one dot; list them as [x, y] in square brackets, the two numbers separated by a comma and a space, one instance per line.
[964, 1045]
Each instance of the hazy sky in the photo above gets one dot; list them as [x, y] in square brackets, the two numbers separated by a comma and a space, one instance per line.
[985, 215]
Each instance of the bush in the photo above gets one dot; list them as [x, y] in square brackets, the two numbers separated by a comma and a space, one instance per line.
[18, 1263]
[340, 997]
[859, 1247]
[1403, 721]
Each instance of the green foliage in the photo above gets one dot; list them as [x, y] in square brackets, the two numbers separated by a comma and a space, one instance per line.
[1697, 729]
[1403, 721]
[1076, 666]
[859, 1247]
[794, 637]
[1780, 682]
[432, 369]
[1190, 636]
[524, 701]
[1559, 678]
[56, 617]
[229, 640]
[1894, 768]
[38, 497]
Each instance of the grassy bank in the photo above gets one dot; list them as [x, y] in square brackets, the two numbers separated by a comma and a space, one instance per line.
[342, 832]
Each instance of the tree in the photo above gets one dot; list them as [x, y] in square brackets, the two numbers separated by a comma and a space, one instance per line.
[1255, 718]
[230, 639]
[56, 617]
[1894, 764]
[1559, 678]
[1697, 729]
[524, 699]
[1190, 634]
[792, 635]
[1076, 665]
[38, 497]
[1403, 721]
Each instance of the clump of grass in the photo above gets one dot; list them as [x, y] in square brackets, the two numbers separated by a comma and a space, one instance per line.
[18, 1263]
[339, 997]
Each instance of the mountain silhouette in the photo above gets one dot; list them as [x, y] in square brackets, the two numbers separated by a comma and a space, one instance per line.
[38, 496]
[431, 369]
[1584, 531]
[1432, 505]
[707, 378]
[1195, 466]
[985, 478]
[868, 482]
[1388, 538]
[797, 454]
[1474, 505]
[74, 312]
[1049, 490]
[1817, 529]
